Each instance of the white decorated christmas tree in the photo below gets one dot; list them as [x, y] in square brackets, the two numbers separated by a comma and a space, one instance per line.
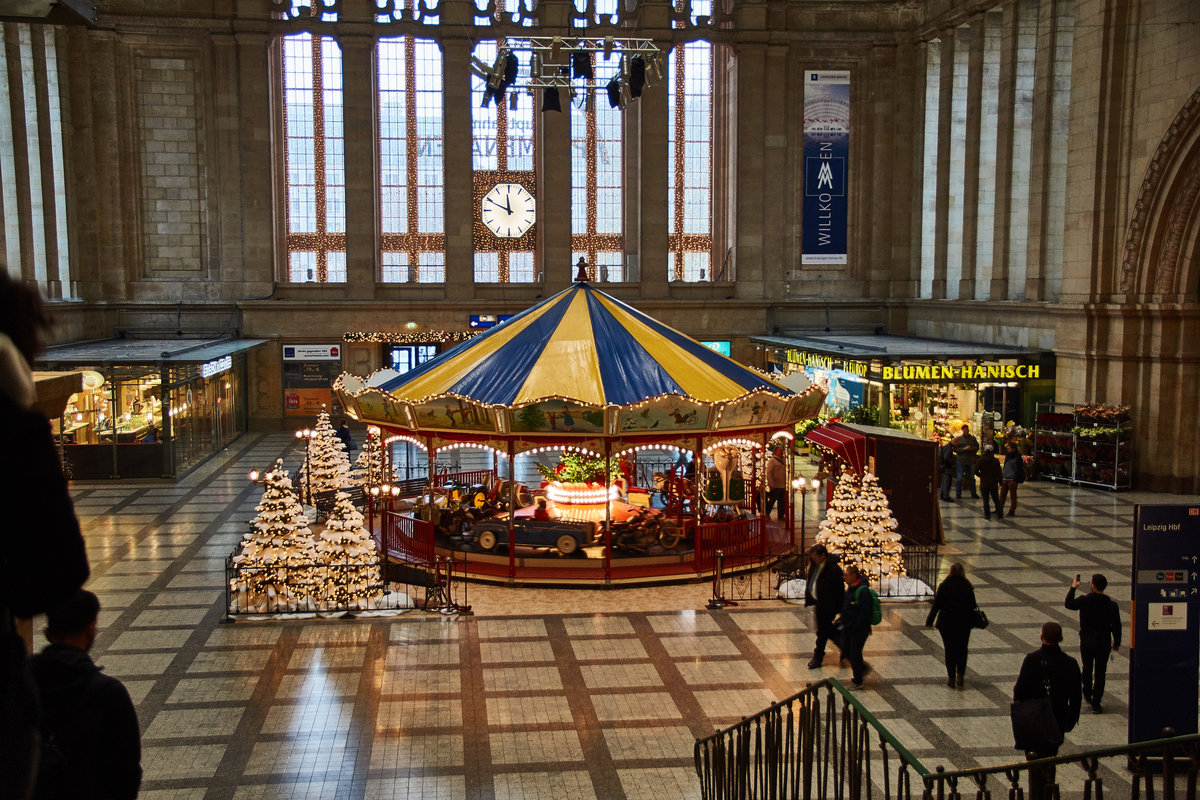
[327, 467]
[351, 576]
[274, 567]
[860, 529]
[369, 467]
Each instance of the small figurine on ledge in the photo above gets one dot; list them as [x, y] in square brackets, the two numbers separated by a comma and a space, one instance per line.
[581, 275]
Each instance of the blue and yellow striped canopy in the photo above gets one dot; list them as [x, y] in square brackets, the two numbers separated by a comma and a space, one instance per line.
[584, 345]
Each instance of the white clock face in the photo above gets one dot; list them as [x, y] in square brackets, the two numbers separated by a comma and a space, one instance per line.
[508, 210]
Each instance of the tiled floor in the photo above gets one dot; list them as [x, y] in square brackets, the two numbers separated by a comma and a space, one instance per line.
[521, 700]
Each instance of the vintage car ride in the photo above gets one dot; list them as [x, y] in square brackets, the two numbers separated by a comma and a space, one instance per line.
[566, 536]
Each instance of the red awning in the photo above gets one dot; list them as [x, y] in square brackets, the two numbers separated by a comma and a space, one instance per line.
[849, 445]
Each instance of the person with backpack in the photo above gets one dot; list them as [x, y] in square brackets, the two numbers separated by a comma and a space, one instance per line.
[91, 744]
[1012, 475]
[1049, 672]
[1099, 630]
[860, 610]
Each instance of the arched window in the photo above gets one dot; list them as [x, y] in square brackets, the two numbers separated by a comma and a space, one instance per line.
[412, 189]
[597, 180]
[315, 159]
[690, 162]
[502, 159]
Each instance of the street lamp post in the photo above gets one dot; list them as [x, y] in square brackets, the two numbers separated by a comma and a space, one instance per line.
[307, 434]
[804, 488]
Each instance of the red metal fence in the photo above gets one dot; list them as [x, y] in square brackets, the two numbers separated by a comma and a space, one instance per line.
[406, 538]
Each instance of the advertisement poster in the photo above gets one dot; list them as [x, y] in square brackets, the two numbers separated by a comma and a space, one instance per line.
[309, 371]
[826, 164]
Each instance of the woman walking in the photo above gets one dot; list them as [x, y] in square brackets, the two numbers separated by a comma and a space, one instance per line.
[953, 605]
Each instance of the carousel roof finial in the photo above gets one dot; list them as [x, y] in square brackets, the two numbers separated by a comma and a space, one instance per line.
[581, 271]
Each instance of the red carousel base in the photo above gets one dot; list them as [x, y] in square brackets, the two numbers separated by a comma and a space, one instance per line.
[742, 543]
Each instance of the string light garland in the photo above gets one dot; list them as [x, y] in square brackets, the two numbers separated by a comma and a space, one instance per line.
[409, 337]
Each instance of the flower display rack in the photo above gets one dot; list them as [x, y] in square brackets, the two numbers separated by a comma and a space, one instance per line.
[1086, 444]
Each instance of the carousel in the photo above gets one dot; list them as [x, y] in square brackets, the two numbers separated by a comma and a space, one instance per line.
[585, 383]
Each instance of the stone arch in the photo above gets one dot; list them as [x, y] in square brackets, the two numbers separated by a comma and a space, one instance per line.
[1162, 242]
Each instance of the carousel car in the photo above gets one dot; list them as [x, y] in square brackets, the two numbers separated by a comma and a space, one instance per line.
[567, 537]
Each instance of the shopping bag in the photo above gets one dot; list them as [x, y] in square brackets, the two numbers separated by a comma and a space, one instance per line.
[1034, 726]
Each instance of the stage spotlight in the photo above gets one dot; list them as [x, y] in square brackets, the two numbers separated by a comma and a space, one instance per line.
[614, 92]
[550, 99]
[581, 65]
[637, 75]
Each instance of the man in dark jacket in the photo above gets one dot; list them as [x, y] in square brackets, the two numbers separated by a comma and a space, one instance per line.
[966, 453]
[988, 469]
[1099, 629]
[1049, 669]
[89, 723]
[824, 589]
[857, 607]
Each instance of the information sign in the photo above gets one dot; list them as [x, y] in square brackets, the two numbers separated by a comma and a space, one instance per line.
[1164, 640]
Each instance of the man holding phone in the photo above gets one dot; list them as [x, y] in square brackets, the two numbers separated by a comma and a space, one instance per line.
[1099, 629]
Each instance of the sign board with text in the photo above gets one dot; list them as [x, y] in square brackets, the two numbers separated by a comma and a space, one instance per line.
[1164, 635]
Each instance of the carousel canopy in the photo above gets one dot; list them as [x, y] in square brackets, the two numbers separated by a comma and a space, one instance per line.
[583, 345]
[563, 364]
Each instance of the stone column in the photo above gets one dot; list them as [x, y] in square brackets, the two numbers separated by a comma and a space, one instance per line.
[1005, 131]
[751, 159]
[651, 224]
[460, 211]
[945, 130]
[362, 164]
[553, 254]
[970, 190]
[260, 228]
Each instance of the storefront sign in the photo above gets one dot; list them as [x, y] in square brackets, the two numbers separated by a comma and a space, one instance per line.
[216, 367]
[959, 373]
[312, 352]
[818, 361]
[826, 160]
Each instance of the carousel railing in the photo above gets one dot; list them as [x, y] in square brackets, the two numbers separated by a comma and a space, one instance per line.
[405, 538]
[741, 541]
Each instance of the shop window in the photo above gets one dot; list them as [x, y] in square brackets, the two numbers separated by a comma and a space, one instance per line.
[406, 357]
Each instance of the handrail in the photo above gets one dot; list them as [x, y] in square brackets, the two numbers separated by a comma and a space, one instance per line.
[1100, 752]
[803, 747]
[874, 722]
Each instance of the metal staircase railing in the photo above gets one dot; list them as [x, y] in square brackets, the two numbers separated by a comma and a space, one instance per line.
[823, 744]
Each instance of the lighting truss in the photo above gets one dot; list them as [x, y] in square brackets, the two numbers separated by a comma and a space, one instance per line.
[547, 61]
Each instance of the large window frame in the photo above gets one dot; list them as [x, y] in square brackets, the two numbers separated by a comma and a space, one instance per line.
[412, 232]
[691, 76]
[314, 126]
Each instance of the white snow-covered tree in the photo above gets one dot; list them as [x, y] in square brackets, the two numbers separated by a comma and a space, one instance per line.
[327, 466]
[860, 529]
[274, 568]
[369, 467]
[351, 576]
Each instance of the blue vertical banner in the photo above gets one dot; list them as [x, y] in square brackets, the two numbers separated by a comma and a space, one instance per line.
[826, 165]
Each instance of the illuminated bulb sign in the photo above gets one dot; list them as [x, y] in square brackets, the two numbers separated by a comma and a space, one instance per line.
[216, 367]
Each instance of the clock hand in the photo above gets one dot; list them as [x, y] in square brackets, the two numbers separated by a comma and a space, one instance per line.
[507, 207]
